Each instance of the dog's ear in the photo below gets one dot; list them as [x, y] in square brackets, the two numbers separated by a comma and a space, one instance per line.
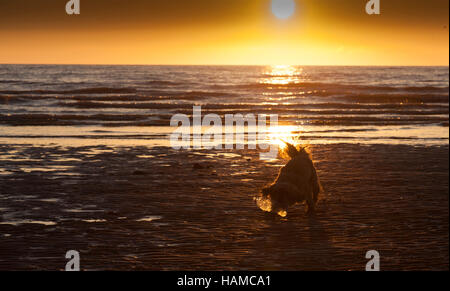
[291, 150]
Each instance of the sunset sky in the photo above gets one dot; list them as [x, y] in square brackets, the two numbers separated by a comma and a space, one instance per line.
[238, 32]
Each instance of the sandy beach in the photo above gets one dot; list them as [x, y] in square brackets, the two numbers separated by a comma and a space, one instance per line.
[136, 208]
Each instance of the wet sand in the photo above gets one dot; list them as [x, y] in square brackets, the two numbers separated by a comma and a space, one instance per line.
[134, 208]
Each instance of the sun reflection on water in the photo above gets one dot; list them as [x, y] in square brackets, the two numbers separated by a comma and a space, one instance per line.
[282, 75]
[282, 134]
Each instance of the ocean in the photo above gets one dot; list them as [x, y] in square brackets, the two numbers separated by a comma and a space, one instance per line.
[133, 105]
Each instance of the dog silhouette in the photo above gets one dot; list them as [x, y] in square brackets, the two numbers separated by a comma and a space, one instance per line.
[297, 182]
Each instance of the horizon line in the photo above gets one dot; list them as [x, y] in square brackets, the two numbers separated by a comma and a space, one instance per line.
[210, 65]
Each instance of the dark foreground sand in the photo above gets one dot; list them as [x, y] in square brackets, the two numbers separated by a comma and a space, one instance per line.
[171, 210]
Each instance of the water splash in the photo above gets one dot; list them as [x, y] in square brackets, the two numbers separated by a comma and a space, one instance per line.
[265, 204]
[282, 213]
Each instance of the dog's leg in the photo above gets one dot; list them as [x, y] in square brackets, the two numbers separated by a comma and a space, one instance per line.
[315, 185]
[311, 204]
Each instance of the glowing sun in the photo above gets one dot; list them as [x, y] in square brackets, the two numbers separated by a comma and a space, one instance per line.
[283, 9]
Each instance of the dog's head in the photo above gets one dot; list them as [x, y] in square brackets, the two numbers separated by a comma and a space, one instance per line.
[282, 195]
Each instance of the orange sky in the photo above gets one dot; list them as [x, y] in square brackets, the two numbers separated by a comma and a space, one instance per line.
[242, 32]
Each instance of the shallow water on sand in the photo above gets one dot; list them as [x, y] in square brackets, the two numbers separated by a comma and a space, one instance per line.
[123, 209]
